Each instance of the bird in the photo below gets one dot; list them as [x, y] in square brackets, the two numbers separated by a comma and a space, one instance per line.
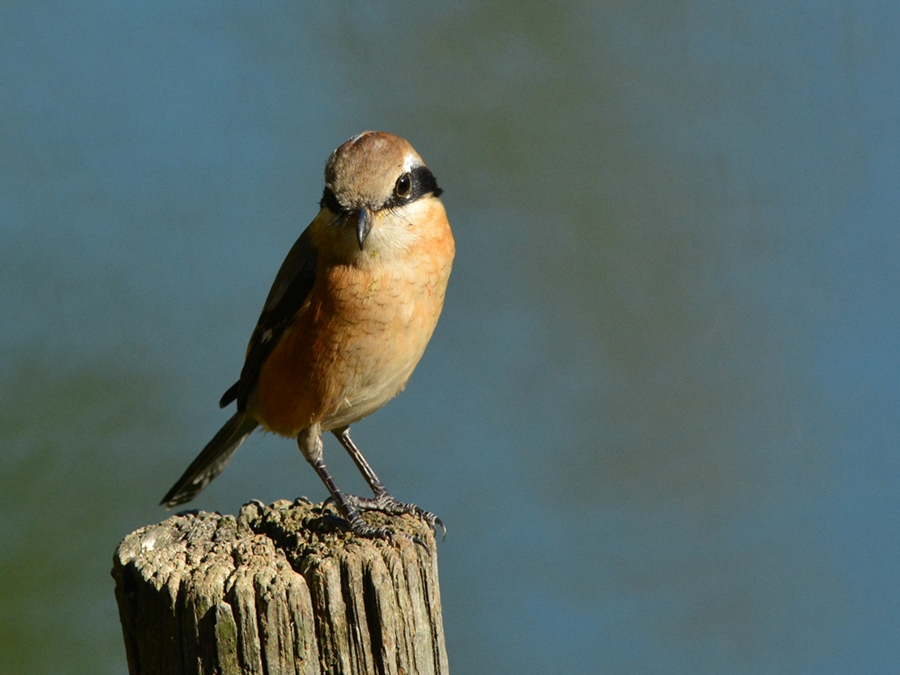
[345, 323]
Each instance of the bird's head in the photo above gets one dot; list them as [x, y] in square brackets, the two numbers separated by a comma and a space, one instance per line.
[374, 179]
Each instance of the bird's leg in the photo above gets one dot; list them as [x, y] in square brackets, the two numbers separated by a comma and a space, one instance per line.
[343, 435]
[383, 501]
[310, 442]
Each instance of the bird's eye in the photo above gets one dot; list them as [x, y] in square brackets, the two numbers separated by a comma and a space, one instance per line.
[403, 187]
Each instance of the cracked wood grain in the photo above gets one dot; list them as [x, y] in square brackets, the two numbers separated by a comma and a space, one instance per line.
[280, 589]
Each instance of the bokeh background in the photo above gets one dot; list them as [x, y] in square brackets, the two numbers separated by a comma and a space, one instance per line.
[659, 415]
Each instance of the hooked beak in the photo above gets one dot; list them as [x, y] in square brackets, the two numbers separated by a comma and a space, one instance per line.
[363, 225]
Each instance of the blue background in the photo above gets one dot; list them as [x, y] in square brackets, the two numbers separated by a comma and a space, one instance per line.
[659, 414]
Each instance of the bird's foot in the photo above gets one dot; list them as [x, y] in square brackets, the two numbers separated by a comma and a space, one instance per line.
[385, 503]
[361, 528]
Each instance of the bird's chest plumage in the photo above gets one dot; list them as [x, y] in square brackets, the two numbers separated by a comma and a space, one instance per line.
[354, 344]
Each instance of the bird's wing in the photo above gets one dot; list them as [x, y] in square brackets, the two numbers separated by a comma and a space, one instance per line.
[289, 292]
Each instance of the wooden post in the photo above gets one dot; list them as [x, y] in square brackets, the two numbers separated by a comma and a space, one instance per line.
[279, 589]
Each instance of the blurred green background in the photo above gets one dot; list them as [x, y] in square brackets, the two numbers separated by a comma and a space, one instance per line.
[659, 414]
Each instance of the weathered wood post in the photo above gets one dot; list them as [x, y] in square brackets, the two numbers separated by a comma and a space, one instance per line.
[279, 589]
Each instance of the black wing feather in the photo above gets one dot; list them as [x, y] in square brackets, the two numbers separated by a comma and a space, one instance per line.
[289, 292]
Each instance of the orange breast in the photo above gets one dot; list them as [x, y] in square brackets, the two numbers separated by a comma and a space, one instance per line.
[355, 343]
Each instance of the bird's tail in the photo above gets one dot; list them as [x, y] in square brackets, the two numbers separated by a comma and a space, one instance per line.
[210, 462]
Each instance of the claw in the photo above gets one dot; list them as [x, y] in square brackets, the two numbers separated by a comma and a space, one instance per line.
[439, 523]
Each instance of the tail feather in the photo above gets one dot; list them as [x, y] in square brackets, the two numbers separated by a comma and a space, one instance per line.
[210, 462]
